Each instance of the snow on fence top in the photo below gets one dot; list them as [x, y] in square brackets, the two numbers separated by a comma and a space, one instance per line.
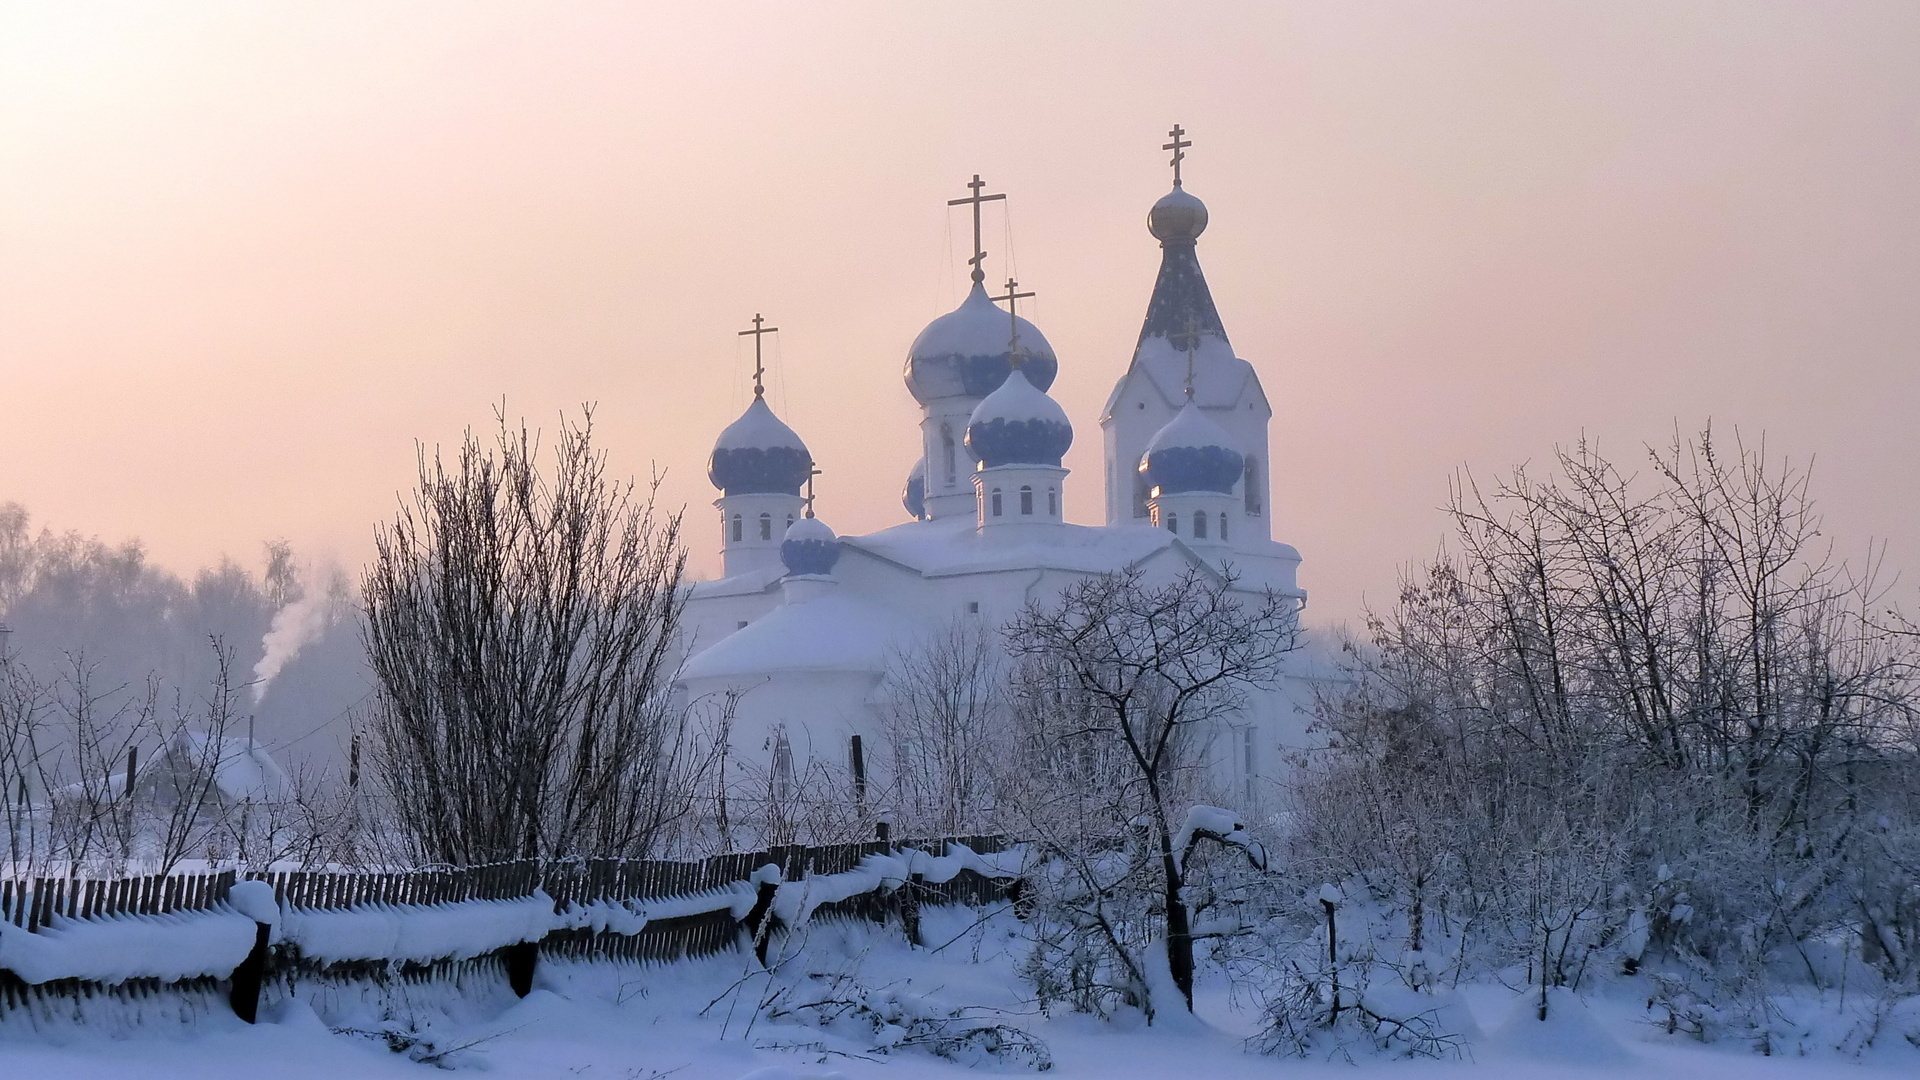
[183, 926]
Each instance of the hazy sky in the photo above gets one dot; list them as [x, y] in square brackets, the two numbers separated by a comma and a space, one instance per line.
[249, 252]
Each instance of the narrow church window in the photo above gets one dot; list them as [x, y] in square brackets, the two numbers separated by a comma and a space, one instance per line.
[1247, 771]
[1173, 524]
[736, 526]
[782, 764]
[1200, 526]
[1223, 528]
[1139, 495]
[1026, 500]
[1252, 485]
[946, 452]
[789, 521]
[766, 526]
[995, 500]
[1053, 503]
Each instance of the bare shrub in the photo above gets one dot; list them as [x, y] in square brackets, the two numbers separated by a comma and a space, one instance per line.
[522, 624]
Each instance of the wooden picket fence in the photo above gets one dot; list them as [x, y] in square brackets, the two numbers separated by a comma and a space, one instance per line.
[33, 903]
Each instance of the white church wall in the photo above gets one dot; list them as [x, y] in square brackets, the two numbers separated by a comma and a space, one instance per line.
[819, 711]
[711, 619]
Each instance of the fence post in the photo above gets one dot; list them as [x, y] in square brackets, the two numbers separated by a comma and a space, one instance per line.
[522, 958]
[759, 920]
[245, 992]
[910, 909]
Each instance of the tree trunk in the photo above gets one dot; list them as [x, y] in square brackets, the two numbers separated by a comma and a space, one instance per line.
[1179, 929]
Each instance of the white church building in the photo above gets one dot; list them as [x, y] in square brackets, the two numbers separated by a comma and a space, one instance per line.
[800, 630]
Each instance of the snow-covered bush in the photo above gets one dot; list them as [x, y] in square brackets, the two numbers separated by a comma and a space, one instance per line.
[890, 1019]
[1634, 727]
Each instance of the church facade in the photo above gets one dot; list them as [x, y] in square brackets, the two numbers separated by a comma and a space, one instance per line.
[800, 631]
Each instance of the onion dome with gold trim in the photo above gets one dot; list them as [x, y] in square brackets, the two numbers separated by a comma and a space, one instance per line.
[1192, 453]
[809, 548]
[965, 353]
[757, 454]
[1018, 424]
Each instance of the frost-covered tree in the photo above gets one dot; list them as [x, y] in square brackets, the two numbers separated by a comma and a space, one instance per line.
[944, 703]
[1645, 718]
[521, 618]
[1119, 676]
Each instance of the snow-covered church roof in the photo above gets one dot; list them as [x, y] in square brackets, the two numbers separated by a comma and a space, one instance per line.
[759, 453]
[952, 545]
[831, 632]
[1192, 453]
[809, 548]
[965, 353]
[1018, 424]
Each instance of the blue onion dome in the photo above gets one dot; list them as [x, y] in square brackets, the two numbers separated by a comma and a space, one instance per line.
[964, 352]
[1018, 424]
[1192, 453]
[757, 455]
[809, 547]
[914, 496]
[1177, 217]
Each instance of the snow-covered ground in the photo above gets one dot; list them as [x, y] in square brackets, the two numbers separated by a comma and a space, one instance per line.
[704, 1019]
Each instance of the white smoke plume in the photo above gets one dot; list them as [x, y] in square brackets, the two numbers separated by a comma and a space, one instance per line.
[294, 627]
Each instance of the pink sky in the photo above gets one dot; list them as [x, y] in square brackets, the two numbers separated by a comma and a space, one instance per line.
[250, 253]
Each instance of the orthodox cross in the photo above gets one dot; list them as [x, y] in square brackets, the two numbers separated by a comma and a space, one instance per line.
[812, 471]
[1179, 148]
[759, 371]
[979, 253]
[1012, 298]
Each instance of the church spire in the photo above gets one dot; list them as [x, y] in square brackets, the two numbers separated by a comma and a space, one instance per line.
[1181, 308]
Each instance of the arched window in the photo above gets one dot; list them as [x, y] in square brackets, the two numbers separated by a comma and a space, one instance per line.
[946, 454]
[1053, 502]
[1026, 499]
[1251, 484]
[1140, 494]
[766, 526]
[789, 523]
[1223, 528]
[736, 527]
[1173, 524]
[1200, 526]
[994, 499]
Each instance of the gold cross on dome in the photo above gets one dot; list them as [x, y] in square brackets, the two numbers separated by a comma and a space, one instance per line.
[1179, 147]
[1012, 298]
[979, 253]
[759, 370]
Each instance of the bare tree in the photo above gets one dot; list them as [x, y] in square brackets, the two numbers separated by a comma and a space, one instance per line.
[942, 700]
[1141, 668]
[184, 796]
[522, 625]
